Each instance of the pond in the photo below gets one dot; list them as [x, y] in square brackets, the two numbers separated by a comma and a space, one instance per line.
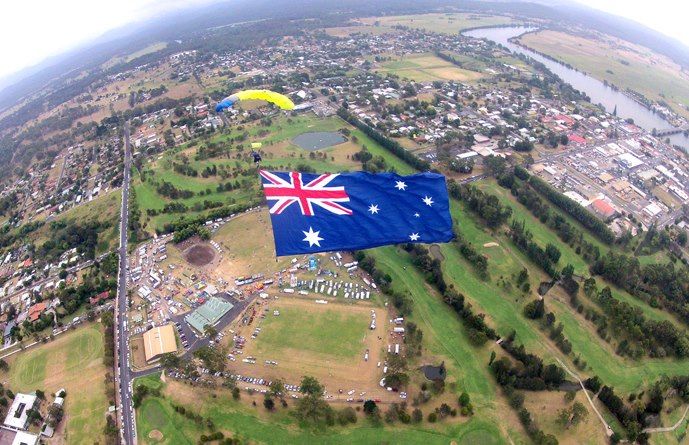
[600, 93]
[318, 140]
[434, 372]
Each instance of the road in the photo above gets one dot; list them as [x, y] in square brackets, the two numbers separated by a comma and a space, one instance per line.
[608, 430]
[238, 307]
[667, 429]
[124, 375]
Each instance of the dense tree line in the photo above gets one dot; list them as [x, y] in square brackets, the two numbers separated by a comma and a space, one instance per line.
[653, 337]
[657, 284]
[185, 169]
[180, 207]
[576, 211]
[535, 310]
[528, 197]
[468, 251]
[108, 321]
[546, 258]
[189, 231]
[477, 329]
[392, 146]
[487, 206]
[167, 189]
[627, 417]
[221, 212]
[531, 374]
[134, 223]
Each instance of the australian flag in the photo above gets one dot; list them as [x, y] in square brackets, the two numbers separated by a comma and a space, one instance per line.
[348, 211]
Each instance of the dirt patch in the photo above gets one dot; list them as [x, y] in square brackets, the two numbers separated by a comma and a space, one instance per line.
[435, 251]
[136, 345]
[199, 254]
[491, 244]
[155, 435]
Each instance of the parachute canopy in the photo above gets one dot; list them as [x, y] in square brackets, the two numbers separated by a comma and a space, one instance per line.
[278, 99]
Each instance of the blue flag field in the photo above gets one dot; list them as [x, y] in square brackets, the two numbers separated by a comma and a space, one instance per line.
[348, 211]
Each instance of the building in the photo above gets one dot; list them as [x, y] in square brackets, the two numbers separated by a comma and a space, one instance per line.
[100, 297]
[208, 314]
[36, 310]
[158, 341]
[17, 415]
[603, 209]
[12, 437]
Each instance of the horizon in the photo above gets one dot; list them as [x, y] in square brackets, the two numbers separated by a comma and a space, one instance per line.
[36, 49]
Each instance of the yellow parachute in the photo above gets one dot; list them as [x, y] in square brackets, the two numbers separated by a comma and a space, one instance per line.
[278, 99]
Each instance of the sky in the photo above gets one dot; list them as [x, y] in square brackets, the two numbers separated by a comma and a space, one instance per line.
[32, 30]
[665, 16]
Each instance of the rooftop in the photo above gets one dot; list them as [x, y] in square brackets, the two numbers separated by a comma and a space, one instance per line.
[16, 416]
[159, 341]
[208, 313]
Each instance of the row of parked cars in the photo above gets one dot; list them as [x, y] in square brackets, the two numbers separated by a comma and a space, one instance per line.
[182, 335]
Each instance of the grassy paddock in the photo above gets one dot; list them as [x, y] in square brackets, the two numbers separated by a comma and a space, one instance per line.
[427, 67]
[621, 63]
[322, 330]
[279, 153]
[73, 361]
[445, 23]
[256, 425]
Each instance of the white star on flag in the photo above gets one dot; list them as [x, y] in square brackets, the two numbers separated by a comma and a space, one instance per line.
[414, 236]
[373, 208]
[400, 185]
[312, 237]
[428, 200]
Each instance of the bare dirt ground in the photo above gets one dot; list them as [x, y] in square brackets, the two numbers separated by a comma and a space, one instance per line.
[200, 254]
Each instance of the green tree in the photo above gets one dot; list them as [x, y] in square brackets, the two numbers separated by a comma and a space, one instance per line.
[276, 388]
[310, 386]
[370, 407]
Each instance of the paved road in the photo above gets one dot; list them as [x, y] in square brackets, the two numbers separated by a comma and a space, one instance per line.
[196, 342]
[124, 376]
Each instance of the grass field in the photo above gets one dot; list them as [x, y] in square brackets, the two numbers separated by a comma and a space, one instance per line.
[504, 308]
[427, 67]
[278, 153]
[248, 246]
[258, 426]
[104, 208]
[447, 23]
[543, 235]
[345, 31]
[325, 330]
[621, 63]
[73, 361]
[150, 49]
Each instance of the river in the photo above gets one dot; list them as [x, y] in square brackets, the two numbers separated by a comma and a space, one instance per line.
[594, 88]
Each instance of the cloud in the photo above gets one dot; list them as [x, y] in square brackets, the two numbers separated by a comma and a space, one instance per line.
[665, 16]
[31, 31]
